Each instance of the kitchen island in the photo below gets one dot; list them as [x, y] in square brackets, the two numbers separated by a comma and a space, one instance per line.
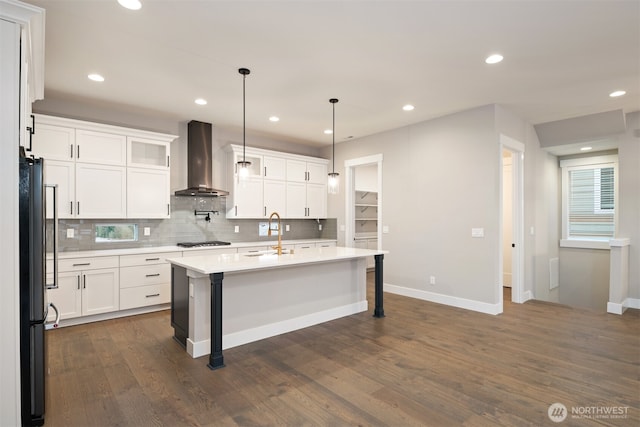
[265, 294]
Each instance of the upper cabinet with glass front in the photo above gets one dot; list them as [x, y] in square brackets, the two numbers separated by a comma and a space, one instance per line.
[148, 153]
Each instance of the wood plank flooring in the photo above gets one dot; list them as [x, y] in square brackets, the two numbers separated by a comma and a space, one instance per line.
[423, 365]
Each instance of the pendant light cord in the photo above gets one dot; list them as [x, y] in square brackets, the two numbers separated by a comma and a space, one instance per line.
[333, 102]
[333, 134]
[244, 72]
[244, 120]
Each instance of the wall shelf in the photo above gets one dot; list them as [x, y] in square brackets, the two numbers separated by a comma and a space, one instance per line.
[366, 212]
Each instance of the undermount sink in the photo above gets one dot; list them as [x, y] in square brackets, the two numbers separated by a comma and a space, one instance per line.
[268, 253]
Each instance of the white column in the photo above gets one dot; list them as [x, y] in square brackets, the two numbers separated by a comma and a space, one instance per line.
[618, 275]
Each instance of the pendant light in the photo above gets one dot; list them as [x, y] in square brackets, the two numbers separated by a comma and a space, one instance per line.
[334, 177]
[243, 165]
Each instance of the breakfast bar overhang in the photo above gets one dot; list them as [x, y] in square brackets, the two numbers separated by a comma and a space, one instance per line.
[266, 295]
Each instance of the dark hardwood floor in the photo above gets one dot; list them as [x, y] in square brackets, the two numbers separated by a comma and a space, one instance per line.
[423, 365]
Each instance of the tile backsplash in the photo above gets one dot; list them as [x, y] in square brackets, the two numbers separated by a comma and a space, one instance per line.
[185, 226]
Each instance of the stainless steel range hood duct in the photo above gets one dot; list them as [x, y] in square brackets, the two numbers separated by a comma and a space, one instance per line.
[200, 162]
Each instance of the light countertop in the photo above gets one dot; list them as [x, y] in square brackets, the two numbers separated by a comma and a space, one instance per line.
[174, 248]
[225, 263]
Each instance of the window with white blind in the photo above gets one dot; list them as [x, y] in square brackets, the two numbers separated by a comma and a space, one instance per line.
[589, 201]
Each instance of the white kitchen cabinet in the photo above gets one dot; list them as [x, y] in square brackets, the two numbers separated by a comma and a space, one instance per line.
[147, 193]
[54, 142]
[296, 200]
[316, 200]
[306, 200]
[101, 148]
[275, 197]
[306, 171]
[145, 279]
[90, 163]
[302, 247]
[87, 190]
[292, 185]
[67, 297]
[247, 199]
[100, 191]
[148, 153]
[61, 173]
[330, 244]
[86, 286]
[306, 189]
[275, 168]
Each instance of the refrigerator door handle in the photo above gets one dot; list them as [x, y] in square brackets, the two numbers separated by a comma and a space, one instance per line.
[54, 285]
[56, 322]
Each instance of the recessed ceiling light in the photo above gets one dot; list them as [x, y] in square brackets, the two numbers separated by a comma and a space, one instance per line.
[274, 119]
[201, 101]
[586, 148]
[617, 93]
[494, 59]
[130, 4]
[328, 131]
[408, 107]
[96, 77]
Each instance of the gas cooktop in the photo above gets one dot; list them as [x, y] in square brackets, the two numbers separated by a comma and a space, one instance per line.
[199, 244]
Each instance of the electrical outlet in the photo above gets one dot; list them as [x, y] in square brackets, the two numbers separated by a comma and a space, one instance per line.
[70, 233]
[147, 231]
[287, 227]
[319, 227]
[236, 229]
[432, 280]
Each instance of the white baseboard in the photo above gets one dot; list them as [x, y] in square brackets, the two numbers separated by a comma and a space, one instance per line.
[112, 315]
[616, 308]
[528, 295]
[632, 303]
[467, 304]
[201, 348]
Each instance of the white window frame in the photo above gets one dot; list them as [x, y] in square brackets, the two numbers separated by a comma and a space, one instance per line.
[568, 165]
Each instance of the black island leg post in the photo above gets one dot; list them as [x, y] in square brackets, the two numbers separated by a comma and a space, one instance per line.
[379, 310]
[216, 359]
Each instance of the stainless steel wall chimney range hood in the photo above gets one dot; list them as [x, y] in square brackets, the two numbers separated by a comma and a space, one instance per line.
[200, 162]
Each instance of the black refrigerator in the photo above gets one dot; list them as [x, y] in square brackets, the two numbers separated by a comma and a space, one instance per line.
[33, 305]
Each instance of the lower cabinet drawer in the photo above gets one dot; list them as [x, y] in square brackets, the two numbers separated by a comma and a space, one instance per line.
[145, 275]
[143, 296]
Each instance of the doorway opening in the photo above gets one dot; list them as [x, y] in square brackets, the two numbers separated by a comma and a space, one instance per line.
[363, 202]
[511, 246]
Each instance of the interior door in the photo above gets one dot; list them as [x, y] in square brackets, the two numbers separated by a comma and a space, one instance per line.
[507, 219]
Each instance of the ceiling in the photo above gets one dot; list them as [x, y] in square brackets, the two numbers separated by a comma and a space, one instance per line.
[561, 60]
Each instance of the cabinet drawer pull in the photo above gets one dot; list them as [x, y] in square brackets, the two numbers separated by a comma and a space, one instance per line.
[152, 295]
[152, 259]
[152, 275]
[81, 264]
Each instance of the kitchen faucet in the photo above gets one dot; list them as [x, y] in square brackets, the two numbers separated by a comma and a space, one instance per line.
[279, 246]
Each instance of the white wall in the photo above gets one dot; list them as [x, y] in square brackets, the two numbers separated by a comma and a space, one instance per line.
[440, 179]
[430, 210]
[366, 178]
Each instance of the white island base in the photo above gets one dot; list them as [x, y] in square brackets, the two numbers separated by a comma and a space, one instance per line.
[265, 296]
